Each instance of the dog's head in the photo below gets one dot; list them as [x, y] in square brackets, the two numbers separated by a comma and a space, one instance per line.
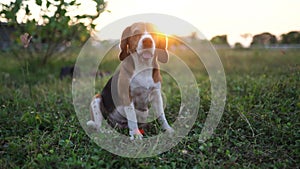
[144, 40]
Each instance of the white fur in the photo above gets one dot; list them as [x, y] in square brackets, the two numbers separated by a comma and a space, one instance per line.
[132, 122]
[139, 49]
[96, 113]
[157, 103]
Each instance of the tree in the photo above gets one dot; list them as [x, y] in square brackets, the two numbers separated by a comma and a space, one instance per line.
[220, 40]
[238, 45]
[57, 24]
[264, 39]
[292, 37]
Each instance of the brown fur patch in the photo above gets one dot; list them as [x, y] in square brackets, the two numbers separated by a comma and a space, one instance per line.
[126, 72]
[97, 96]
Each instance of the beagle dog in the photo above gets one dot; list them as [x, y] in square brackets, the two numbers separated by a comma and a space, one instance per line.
[125, 99]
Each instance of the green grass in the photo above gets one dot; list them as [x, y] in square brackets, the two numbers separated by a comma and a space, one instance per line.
[260, 127]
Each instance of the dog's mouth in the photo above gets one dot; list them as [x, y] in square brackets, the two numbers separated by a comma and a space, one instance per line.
[147, 54]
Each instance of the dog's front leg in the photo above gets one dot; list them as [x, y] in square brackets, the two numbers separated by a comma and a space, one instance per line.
[157, 103]
[123, 92]
[132, 122]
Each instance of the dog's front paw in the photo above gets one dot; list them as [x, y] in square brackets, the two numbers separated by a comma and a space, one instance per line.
[92, 126]
[136, 134]
[170, 131]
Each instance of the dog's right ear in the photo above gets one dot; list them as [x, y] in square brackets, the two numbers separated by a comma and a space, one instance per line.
[124, 44]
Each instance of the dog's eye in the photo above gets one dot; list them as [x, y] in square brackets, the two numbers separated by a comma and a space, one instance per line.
[153, 35]
[137, 33]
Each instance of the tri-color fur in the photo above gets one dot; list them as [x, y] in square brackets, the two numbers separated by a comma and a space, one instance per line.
[125, 98]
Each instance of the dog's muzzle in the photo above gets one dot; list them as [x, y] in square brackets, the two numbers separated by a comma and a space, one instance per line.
[146, 47]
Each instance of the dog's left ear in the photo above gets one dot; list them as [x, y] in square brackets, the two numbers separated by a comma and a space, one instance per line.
[161, 48]
[124, 44]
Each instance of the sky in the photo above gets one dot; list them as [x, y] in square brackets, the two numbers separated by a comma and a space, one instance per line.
[211, 17]
[216, 17]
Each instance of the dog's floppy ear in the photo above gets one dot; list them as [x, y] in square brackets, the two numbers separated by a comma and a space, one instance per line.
[161, 48]
[124, 44]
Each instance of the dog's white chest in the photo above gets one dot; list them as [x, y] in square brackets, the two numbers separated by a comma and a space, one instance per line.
[141, 87]
[143, 79]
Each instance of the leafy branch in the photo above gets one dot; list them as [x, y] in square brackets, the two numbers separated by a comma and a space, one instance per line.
[58, 23]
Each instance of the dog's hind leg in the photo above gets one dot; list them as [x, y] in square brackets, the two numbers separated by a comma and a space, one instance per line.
[96, 115]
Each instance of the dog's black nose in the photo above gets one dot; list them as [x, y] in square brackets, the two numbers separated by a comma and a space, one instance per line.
[147, 43]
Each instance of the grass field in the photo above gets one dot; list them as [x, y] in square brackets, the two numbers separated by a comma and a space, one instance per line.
[260, 127]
